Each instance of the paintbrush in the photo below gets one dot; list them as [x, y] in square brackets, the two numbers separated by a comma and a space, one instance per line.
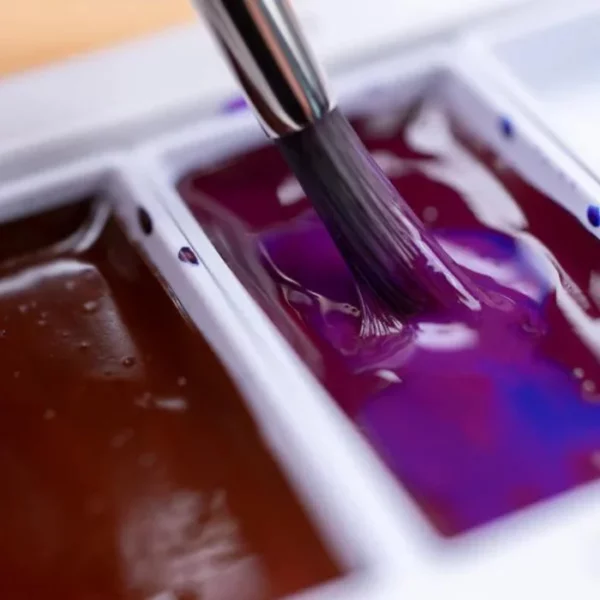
[398, 266]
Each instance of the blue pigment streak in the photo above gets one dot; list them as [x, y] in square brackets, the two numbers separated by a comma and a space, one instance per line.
[507, 127]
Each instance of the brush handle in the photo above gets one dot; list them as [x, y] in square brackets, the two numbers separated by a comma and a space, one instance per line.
[267, 50]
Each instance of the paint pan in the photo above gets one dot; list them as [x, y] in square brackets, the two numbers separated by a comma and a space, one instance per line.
[221, 169]
[133, 466]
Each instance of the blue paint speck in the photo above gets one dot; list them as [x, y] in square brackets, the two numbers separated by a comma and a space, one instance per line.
[507, 127]
[593, 214]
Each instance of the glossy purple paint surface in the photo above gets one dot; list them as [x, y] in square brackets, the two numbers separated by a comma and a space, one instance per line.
[478, 413]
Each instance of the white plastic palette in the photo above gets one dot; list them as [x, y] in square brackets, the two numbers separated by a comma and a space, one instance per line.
[367, 520]
[548, 61]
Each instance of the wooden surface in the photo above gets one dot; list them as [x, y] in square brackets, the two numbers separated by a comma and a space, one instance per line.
[37, 32]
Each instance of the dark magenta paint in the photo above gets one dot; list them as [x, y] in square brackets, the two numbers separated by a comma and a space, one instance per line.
[477, 413]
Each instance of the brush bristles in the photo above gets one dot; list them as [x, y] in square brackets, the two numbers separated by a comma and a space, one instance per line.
[396, 263]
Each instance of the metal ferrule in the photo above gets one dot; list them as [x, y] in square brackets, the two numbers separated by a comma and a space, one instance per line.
[269, 55]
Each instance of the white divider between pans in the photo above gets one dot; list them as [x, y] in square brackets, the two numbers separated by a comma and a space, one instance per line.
[323, 457]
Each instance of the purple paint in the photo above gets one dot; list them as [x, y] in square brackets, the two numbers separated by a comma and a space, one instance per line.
[477, 414]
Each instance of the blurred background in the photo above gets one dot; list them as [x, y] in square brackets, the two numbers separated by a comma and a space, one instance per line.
[34, 32]
[115, 71]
